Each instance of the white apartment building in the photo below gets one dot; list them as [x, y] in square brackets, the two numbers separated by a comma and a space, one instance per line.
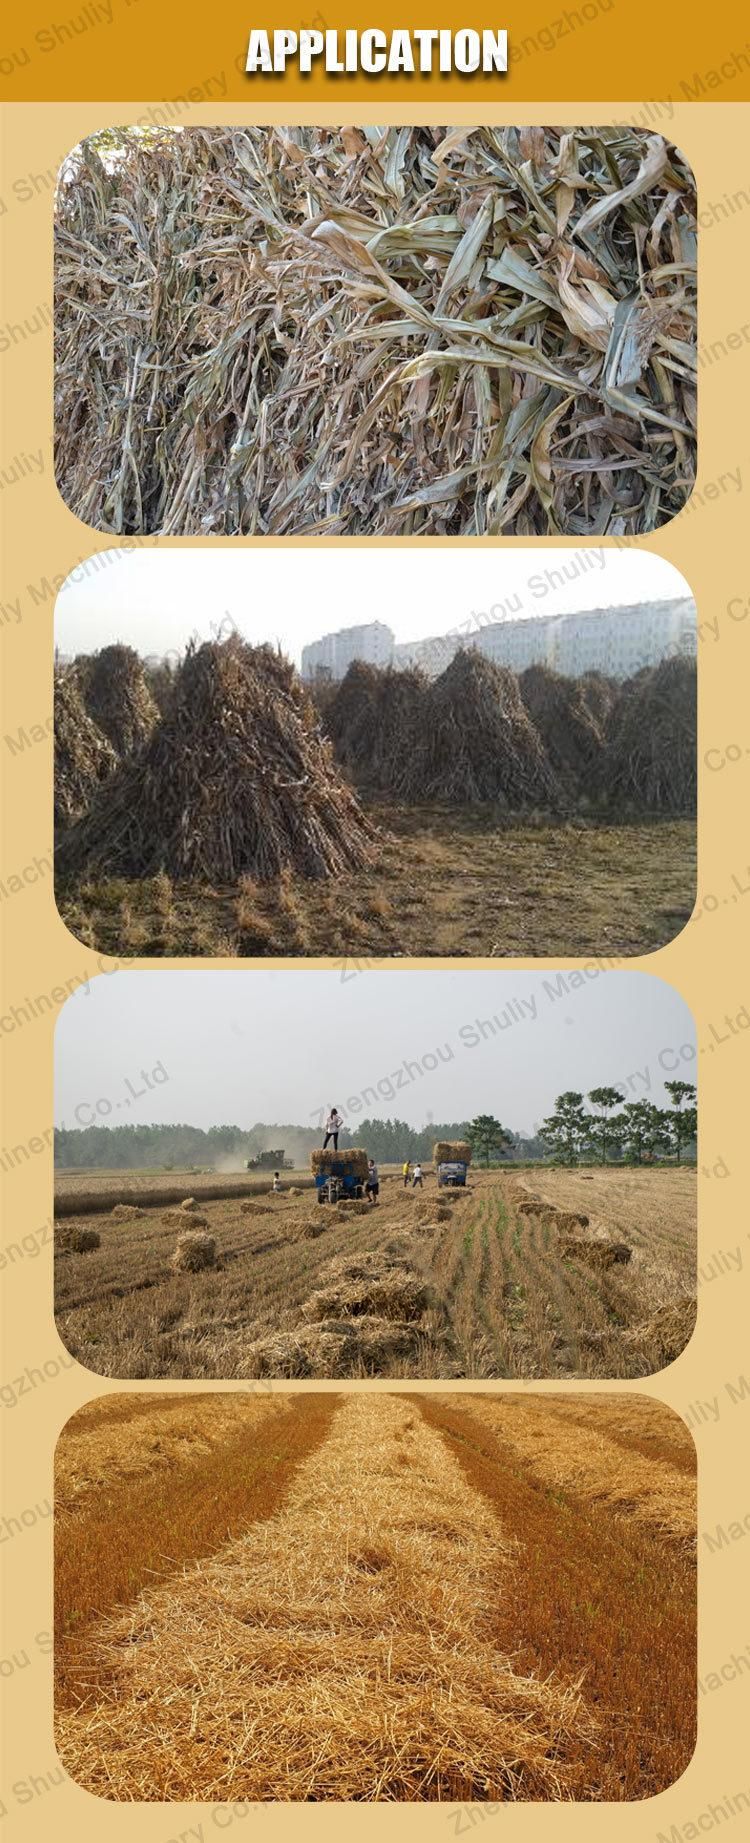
[620, 641]
[331, 656]
[616, 641]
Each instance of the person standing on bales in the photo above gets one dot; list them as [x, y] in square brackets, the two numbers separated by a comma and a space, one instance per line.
[416, 1178]
[405, 1170]
[334, 1124]
[372, 1186]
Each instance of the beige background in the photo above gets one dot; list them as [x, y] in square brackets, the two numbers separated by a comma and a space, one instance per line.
[708, 543]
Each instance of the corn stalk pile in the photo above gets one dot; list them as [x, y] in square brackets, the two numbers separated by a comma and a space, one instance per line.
[571, 736]
[271, 330]
[237, 779]
[83, 756]
[473, 740]
[651, 757]
[370, 720]
[117, 697]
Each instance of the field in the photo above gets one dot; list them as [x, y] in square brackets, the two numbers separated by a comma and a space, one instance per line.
[496, 1281]
[447, 881]
[375, 1597]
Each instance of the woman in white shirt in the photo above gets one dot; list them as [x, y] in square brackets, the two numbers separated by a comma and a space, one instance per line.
[334, 1124]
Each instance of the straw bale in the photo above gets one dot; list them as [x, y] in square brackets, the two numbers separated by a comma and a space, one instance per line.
[447, 1150]
[650, 761]
[566, 1219]
[174, 1219]
[84, 759]
[373, 1284]
[117, 697]
[597, 1254]
[311, 1227]
[353, 1158]
[194, 1252]
[75, 1238]
[237, 779]
[188, 1203]
[251, 1208]
[127, 1212]
[415, 331]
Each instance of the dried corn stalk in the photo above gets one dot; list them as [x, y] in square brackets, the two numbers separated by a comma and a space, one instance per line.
[378, 330]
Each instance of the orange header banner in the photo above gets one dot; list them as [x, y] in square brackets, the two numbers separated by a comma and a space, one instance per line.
[92, 50]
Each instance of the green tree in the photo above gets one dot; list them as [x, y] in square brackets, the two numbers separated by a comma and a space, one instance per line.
[565, 1132]
[486, 1134]
[642, 1130]
[681, 1119]
[605, 1131]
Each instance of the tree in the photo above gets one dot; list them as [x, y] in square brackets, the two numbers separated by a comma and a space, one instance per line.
[680, 1121]
[602, 1128]
[642, 1130]
[566, 1130]
[486, 1135]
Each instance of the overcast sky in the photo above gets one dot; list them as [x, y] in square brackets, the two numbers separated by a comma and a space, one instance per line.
[282, 1045]
[155, 600]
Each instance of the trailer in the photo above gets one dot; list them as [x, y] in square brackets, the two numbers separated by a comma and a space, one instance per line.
[339, 1176]
[452, 1174]
[451, 1158]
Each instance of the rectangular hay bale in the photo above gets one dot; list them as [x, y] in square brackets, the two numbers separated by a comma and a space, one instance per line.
[448, 1151]
[353, 1159]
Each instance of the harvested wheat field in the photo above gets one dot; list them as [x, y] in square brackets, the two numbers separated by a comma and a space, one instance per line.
[376, 1597]
[535, 1273]
[376, 330]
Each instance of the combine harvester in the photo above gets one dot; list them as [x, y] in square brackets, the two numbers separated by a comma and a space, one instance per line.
[339, 1176]
[452, 1158]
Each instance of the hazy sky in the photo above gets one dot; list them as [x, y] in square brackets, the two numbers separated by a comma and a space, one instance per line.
[278, 1045]
[155, 600]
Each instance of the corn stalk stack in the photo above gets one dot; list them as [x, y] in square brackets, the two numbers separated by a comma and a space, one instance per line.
[237, 779]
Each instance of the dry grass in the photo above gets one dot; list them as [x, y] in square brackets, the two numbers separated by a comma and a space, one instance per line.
[498, 1296]
[76, 1238]
[606, 1585]
[140, 1494]
[358, 1622]
[409, 1613]
[416, 330]
[448, 880]
[574, 1452]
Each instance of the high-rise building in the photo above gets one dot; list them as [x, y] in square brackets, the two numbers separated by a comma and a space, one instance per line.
[616, 641]
[331, 656]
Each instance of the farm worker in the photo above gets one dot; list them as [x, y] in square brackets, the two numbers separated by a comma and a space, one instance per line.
[405, 1169]
[334, 1124]
[416, 1177]
[372, 1187]
[276, 1181]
